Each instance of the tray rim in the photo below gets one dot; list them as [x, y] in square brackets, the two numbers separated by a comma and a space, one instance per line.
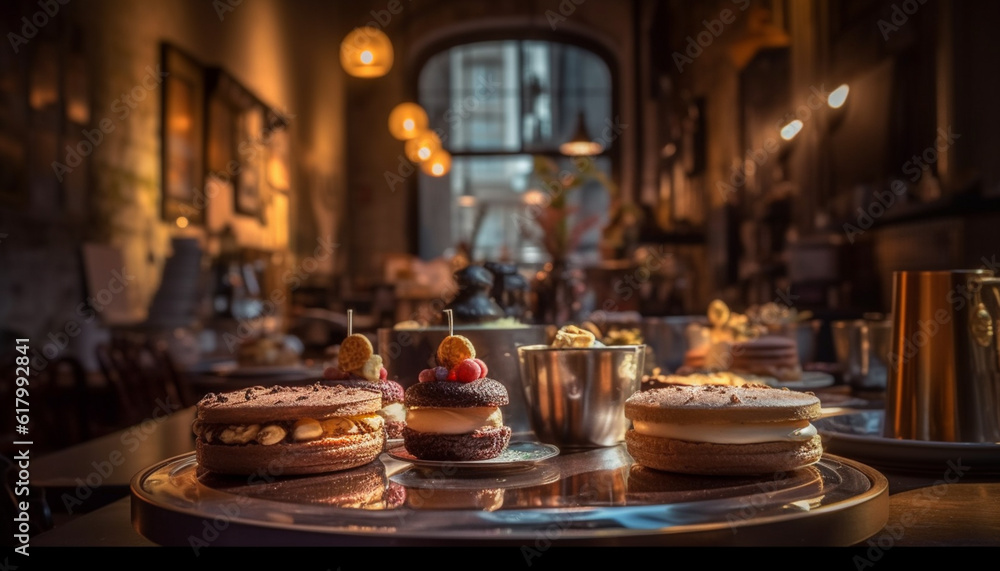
[874, 502]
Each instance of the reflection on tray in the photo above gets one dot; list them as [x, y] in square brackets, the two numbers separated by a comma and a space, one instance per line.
[490, 499]
[366, 488]
[597, 498]
[803, 487]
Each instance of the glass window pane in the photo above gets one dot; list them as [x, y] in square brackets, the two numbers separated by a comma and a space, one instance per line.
[560, 82]
[486, 202]
[505, 102]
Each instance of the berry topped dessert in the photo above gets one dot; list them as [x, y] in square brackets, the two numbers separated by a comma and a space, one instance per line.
[453, 412]
[360, 367]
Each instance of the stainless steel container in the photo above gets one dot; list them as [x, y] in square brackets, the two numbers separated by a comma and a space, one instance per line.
[576, 397]
[406, 352]
[944, 377]
[668, 339]
[804, 333]
[862, 348]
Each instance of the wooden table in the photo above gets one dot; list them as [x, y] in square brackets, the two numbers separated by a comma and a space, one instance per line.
[87, 476]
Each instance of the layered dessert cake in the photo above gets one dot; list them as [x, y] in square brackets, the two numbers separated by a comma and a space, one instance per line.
[770, 356]
[723, 430]
[288, 430]
[453, 413]
[359, 367]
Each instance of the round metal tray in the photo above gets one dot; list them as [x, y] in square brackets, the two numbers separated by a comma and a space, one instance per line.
[591, 497]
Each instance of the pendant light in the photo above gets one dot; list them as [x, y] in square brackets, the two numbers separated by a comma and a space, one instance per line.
[438, 164]
[407, 120]
[581, 145]
[366, 52]
[421, 147]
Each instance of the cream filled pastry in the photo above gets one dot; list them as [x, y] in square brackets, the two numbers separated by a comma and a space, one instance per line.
[288, 430]
[454, 420]
[453, 412]
[723, 430]
[359, 367]
[724, 434]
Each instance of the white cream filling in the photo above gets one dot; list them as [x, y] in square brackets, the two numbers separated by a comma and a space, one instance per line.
[394, 412]
[729, 433]
[453, 420]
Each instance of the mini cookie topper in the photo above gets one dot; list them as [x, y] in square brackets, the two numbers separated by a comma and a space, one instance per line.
[356, 351]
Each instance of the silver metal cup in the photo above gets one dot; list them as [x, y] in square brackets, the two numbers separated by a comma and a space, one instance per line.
[862, 348]
[668, 338]
[944, 376]
[576, 397]
[804, 333]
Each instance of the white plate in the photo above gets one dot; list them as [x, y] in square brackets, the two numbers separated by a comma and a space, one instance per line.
[517, 456]
[859, 436]
[809, 380]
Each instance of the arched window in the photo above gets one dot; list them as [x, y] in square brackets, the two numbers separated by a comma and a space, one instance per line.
[497, 106]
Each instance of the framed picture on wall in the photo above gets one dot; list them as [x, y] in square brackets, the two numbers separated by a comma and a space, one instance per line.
[182, 132]
[236, 149]
[251, 153]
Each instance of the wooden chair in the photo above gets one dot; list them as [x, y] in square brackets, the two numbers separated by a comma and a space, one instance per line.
[144, 377]
[130, 396]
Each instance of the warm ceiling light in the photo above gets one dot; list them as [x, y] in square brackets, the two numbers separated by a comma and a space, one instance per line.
[182, 222]
[437, 164]
[422, 146]
[534, 196]
[789, 131]
[838, 96]
[580, 145]
[366, 52]
[407, 120]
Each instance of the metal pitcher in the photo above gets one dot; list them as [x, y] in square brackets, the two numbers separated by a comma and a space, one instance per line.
[944, 370]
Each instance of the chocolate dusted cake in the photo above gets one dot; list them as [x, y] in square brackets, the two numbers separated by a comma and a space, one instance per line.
[453, 412]
[288, 430]
[359, 367]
